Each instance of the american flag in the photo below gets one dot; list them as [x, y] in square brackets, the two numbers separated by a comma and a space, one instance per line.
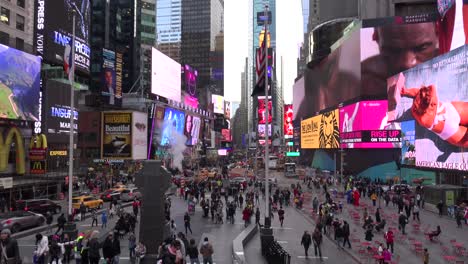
[260, 65]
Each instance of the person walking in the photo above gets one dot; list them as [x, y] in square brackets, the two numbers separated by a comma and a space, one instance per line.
[346, 234]
[68, 247]
[104, 219]
[339, 234]
[305, 242]
[402, 221]
[108, 249]
[207, 251]
[368, 234]
[416, 213]
[192, 252]
[389, 239]
[281, 215]
[131, 245]
[61, 220]
[257, 216]
[136, 207]
[440, 207]
[49, 220]
[426, 256]
[9, 248]
[378, 219]
[374, 198]
[82, 211]
[94, 217]
[42, 247]
[93, 249]
[187, 223]
[317, 240]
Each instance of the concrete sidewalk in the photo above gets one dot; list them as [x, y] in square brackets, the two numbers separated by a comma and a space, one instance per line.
[405, 251]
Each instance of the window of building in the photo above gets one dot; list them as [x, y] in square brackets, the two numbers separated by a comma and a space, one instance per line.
[20, 22]
[20, 44]
[4, 38]
[5, 15]
[20, 3]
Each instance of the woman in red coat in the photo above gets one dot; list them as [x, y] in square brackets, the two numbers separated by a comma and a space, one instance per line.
[246, 216]
[356, 197]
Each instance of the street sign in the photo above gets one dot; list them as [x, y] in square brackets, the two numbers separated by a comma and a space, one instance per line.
[293, 154]
[290, 143]
[6, 183]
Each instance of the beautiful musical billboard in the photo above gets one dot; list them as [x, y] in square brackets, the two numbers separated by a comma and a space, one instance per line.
[364, 125]
[20, 75]
[434, 94]
[116, 135]
[288, 121]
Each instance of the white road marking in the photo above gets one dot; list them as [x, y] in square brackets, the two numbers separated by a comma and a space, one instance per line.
[311, 257]
[282, 242]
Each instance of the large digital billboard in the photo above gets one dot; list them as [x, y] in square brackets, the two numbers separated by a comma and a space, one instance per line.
[288, 121]
[262, 110]
[321, 131]
[116, 135]
[395, 44]
[174, 122]
[434, 94]
[54, 29]
[190, 80]
[57, 111]
[331, 81]
[227, 110]
[261, 130]
[109, 91]
[20, 75]
[408, 148]
[192, 129]
[218, 104]
[361, 126]
[298, 94]
[226, 134]
[165, 76]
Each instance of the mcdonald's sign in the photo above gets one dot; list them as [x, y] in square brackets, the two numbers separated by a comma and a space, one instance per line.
[38, 166]
[5, 144]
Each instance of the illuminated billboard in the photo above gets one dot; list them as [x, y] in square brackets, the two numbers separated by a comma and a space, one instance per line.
[192, 129]
[226, 133]
[165, 76]
[110, 90]
[361, 124]
[174, 123]
[408, 148]
[288, 121]
[54, 28]
[321, 131]
[20, 75]
[227, 110]
[218, 104]
[261, 130]
[434, 94]
[298, 95]
[262, 110]
[190, 80]
[116, 135]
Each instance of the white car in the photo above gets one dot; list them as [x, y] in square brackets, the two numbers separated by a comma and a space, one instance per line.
[130, 194]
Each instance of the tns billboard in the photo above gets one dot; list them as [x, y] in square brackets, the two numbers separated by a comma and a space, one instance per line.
[54, 29]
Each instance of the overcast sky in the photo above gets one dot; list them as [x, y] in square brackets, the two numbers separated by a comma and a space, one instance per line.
[289, 35]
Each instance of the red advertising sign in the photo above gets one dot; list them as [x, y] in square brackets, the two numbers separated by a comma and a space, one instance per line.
[262, 110]
[288, 121]
[226, 133]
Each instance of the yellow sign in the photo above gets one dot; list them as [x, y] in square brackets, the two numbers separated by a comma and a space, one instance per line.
[38, 167]
[261, 36]
[58, 153]
[310, 132]
[5, 144]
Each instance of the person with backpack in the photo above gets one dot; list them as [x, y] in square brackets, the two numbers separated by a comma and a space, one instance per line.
[317, 240]
[192, 252]
[207, 251]
[305, 242]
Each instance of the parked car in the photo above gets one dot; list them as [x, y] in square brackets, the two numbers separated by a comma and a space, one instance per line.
[20, 220]
[40, 206]
[130, 194]
[89, 201]
[110, 195]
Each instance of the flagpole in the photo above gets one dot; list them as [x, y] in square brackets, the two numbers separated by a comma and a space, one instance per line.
[267, 112]
[72, 121]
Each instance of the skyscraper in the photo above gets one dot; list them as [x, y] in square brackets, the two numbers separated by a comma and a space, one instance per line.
[169, 27]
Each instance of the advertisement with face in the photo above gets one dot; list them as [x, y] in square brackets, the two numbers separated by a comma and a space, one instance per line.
[226, 133]
[57, 109]
[261, 131]
[218, 104]
[165, 76]
[434, 94]
[227, 109]
[395, 44]
[262, 110]
[288, 121]
[174, 123]
[139, 135]
[335, 79]
[408, 148]
[116, 135]
[54, 29]
[108, 78]
[188, 129]
[20, 75]
[361, 123]
[196, 125]
[190, 79]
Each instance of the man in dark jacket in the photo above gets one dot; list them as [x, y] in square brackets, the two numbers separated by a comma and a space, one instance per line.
[305, 242]
[317, 239]
[402, 221]
[346, 234]
[10, 247]
[61, 220]
[339, 233]
[108, 248]
[93, 249]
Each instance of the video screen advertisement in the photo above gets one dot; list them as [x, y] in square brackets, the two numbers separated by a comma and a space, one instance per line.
[226, 133]
[333, 80]
[218, 104]
[20, 75]
[298, 95]
[192, 129]
[165, 76]
[395, 44]
[54, 29]
[288, 121]
[111, 89]
[139, 136]
[261, 131]
[190, 76]
[57, 111]
[262, 110]
[408, 148]
[434, 94]
[227, 110]
[174, 122]
[364, 125]
[321, 131]
[116, 133]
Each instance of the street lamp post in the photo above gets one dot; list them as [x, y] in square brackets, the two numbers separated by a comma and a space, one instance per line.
[72, 121]
[267, 191]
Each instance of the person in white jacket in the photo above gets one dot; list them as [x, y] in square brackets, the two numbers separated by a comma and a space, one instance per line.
[42, 247]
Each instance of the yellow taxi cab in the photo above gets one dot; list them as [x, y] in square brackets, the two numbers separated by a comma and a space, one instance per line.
[89, 201]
